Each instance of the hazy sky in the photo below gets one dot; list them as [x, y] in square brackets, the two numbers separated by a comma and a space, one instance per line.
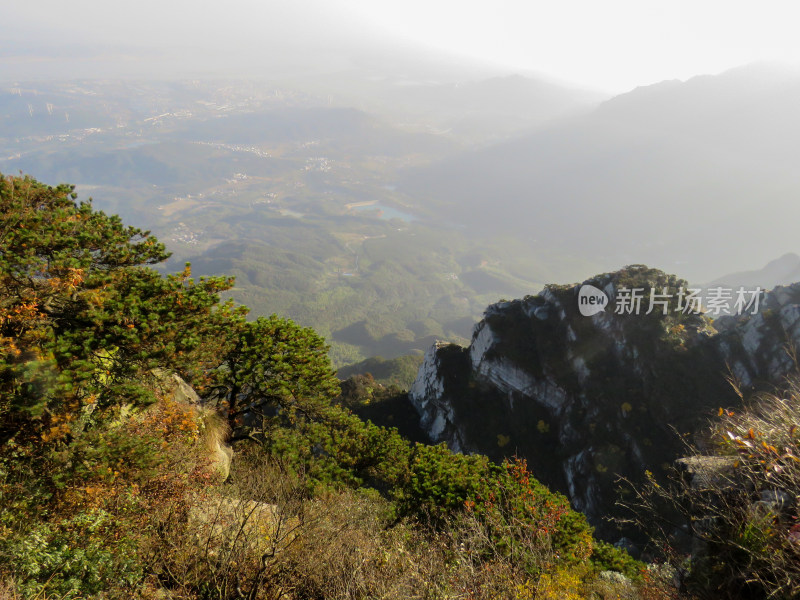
[612, 45]
[615, 44]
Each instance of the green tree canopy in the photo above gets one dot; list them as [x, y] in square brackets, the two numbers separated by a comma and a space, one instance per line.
[274, 364]
[82, 316]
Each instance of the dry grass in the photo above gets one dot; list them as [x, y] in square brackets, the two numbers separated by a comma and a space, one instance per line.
[741, 502]
[262, 537]
[7, 591]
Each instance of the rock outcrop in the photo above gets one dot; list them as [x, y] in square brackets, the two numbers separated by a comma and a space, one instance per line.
[587, 398]
[214, 431]
[761, 347]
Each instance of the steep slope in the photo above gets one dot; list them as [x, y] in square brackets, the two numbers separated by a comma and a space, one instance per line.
[585, 398]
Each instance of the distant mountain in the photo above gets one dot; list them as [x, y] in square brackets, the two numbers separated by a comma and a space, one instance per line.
[671, 174]
[781, 271]
[475, 106]
[502, 104]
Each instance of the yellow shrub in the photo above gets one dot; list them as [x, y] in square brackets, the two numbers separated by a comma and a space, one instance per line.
[561, 584]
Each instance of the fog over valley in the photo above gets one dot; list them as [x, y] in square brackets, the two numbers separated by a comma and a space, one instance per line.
[426, 188]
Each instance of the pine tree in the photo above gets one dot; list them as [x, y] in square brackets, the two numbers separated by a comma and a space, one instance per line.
[82, 316]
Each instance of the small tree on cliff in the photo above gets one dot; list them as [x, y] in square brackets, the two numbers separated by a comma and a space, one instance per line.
[275, 365]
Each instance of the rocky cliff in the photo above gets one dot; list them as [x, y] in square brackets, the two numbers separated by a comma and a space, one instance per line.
[585, 398]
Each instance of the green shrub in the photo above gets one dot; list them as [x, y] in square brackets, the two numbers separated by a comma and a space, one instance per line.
[73, 557]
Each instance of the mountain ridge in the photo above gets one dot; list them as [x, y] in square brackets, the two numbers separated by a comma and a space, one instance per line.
[662, 175]
[585, 399]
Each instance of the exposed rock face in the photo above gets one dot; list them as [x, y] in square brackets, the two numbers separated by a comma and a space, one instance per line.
[214, 429]
[429, 397]
[760, 348]
[584, 398]
[219, 522]
[704, 472]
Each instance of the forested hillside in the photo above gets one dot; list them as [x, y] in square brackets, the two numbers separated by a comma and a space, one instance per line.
[121, 393]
